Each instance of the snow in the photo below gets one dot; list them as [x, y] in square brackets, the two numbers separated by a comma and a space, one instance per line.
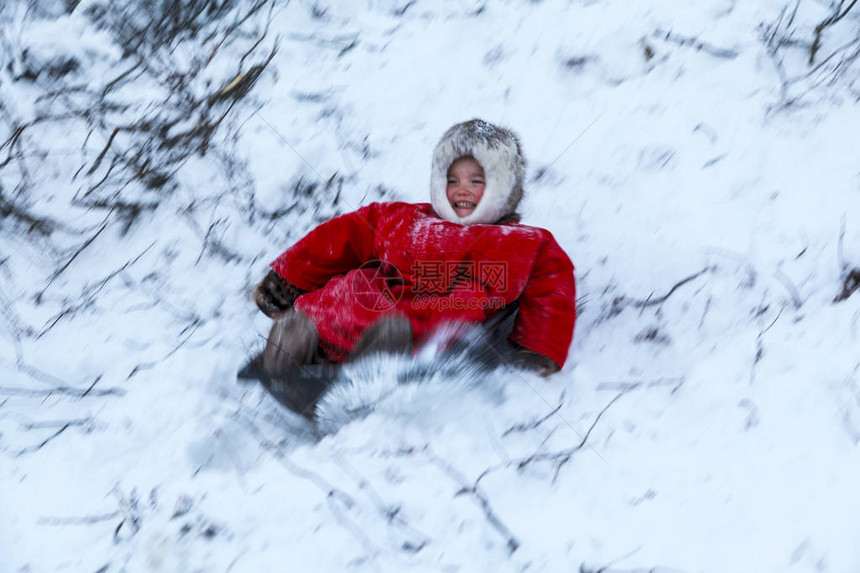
[716, 430]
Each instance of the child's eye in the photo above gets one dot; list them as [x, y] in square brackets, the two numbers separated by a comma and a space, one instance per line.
[452, 181]
[477, 181]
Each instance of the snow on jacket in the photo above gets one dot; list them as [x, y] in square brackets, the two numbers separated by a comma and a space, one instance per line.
[403, 258]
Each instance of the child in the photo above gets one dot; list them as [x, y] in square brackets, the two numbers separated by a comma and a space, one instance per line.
[384, 277]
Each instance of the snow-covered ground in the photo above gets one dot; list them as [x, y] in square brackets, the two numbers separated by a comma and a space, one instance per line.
[703, 176]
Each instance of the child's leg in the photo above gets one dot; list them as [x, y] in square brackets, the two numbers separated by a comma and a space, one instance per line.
[391, 334]
[292, 343]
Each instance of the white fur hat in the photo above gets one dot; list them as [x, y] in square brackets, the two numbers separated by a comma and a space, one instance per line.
[499, 153]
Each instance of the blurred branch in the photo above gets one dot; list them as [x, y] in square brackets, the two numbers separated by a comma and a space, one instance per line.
[89, 292]
[483, 502]
[85, 520]
[338, 500]
[560, 457]
[61, 390]
[75, 255]
[411, 539]
[34, 224]
[620, 302]
[850, 284]
[516, 428]
[695, 43]
[837, 68]
[838, 14]
[43, 443]
[790, 287]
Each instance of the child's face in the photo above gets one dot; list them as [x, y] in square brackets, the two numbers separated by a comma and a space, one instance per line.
[465, 185]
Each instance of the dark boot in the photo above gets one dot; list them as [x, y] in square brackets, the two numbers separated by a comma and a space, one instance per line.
[390, 334]
[285, 367]
[303, 389]
[292, 344]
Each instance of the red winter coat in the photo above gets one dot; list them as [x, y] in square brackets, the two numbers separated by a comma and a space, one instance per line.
[402, 258]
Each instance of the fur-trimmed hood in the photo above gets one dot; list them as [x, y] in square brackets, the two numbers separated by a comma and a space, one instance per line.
[499, 153]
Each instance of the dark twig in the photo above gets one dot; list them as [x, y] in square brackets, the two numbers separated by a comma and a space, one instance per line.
[840, 62]
[413, 540]
[104, 151]
[850, 285]
[620, 302]
[819, 29]
[695, 43]
[44, 442]
[62, 390]
[533, 425]
[90, 291]
[40, 225]
[789, 286]
[77, 252]
[560, 457]
[85, 520]
[564, 456]
[337, 499]
[510, 540]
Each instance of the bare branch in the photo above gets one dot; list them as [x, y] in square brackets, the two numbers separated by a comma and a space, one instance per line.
[484, 503]
[559, 458]
[40, 225]
[533, 425]
[824, 24]
[62, 390]
[44, 442]
[85, 520]
[77, 252]
[620, 302]
[695, 43]
[850, 285]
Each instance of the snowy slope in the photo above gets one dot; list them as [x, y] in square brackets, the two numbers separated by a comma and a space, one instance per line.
[701, 173]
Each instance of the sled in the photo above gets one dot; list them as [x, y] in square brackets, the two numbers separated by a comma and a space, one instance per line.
[300, 391]
[459, 350]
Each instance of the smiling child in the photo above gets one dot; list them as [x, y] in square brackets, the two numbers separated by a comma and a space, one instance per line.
[386, 276]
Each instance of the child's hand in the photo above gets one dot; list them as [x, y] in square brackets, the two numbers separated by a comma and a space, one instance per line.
[530, 360]
[274, 295]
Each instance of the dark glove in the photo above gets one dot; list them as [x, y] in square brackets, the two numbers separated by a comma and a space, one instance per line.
[522, 357]
[275, 295]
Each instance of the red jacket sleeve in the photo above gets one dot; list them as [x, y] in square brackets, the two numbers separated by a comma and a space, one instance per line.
[547, 306]
[335, 247]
